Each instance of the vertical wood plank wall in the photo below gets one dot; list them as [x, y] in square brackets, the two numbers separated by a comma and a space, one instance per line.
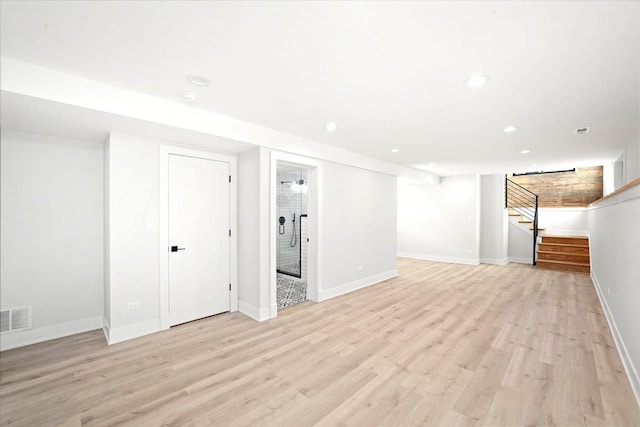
[564, 189]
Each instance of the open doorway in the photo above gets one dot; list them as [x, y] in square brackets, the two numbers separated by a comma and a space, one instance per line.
[292, 237]
[295, 221]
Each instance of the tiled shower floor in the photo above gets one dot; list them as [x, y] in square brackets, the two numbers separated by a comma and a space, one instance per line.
[289, 291]
[290, 268]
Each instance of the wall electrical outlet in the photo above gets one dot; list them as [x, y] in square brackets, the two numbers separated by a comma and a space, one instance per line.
[133, 305]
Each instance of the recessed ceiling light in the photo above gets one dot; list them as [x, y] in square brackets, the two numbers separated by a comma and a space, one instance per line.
[331, 126]
[198, 80]
[476, 81]
[188, 97]
[395, 150]
[525, 151]
[510, 129]
[431, 164]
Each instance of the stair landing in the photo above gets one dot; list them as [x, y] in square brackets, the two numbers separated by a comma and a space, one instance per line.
[564, 253]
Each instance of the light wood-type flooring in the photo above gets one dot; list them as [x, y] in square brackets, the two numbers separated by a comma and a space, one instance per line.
[442, 344]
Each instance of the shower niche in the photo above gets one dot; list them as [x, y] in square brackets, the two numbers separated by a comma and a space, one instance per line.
[291, 213]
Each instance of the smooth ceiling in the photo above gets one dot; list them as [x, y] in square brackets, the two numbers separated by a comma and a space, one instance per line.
[389, 73]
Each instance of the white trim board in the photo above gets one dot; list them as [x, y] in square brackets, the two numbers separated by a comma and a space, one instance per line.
[35, 335]
[137, 330]
[325, 294]
[440, 258]
[254, 312]
[627, 362]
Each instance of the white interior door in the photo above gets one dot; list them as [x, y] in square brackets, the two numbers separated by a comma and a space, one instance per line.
[198, 238]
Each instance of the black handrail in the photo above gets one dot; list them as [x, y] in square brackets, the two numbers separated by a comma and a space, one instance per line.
[526, 204]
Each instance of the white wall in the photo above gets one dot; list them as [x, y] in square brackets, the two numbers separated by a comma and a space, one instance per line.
[440, 222]
[252, 275]
[494, 231]
[563, 221]
[615, 269]
[133, 240]
[51, 234]
[358, 233]
[632, 160]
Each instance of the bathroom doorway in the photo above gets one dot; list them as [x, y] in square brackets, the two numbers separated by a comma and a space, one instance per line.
[292, 235]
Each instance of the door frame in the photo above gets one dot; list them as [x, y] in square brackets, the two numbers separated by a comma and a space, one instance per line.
[314, 223]
[163, 253]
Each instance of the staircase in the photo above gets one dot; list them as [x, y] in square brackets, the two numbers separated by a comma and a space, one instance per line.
[564, 253]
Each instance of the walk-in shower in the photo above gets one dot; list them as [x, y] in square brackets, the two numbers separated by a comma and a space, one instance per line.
[291, 211]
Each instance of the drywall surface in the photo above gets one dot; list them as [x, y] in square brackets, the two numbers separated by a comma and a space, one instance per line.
[440, 222]
[133, 237]
[632, 160]
[358, 230]
[51, 234]
[563, 221]
[615, 268]
[494, 238]
[250, 281]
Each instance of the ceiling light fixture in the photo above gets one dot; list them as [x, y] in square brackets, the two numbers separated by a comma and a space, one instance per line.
[331, 126]
[510, 129]
[395, 150]
[476, 81]
[198, 80]
[188, 97]
[525, 152]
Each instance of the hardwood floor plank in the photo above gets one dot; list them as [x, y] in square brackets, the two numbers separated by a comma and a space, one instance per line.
[441, 344]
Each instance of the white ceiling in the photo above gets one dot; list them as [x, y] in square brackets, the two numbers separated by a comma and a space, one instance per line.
[389, 73]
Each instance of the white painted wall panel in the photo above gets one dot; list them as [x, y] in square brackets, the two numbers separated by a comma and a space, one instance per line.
[440, 222]
[51, 234]
[615, 267]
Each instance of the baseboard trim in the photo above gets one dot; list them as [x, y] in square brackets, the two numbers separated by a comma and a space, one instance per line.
[325, 294]
[52, 332]
[629, 368]
[259, 314]
[137, 330]
[439, 258]
[494, 261]
[521, 260]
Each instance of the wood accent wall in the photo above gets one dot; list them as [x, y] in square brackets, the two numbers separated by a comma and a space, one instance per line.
[564, 189]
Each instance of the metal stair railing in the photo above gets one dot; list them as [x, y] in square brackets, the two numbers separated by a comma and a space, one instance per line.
[523, 202]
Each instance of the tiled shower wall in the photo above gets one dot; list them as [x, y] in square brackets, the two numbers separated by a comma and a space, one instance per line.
[290, 199]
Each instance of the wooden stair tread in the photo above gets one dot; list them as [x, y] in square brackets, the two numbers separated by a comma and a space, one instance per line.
[559, 253]
[553, 261]
[525, 221]
[568, 237]
[563, 244]
[539, 228]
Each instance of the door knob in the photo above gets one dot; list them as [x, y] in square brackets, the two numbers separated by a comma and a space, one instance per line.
[176, 249]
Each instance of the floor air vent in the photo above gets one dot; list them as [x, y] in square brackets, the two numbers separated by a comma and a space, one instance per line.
[15, 319]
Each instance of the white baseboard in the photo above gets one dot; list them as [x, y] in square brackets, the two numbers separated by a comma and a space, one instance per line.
[627, 362]
[494, 261]
[124, 333]
[521, 260]
[35, 335]
[325, 294]
[439, 258]
[254, 312]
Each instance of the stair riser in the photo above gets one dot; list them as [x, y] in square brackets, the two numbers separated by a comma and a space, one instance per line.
[584, 259]
[563, 267]
[565, 240]
[564, 249]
